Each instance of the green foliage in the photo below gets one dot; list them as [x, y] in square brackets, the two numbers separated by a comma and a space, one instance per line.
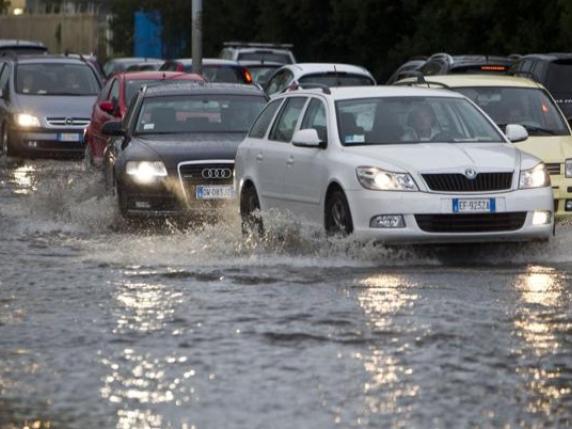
[379, 34]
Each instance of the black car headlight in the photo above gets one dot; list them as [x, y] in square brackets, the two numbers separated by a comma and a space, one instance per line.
[145, 172]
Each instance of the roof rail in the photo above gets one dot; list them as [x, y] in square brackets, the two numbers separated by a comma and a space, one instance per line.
[236, 44]
[294, 86]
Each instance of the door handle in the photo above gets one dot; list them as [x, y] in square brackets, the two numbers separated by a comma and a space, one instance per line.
[259, 157]
[290, 161]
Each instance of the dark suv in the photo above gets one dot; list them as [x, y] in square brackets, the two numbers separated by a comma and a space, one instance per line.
[45, 105]
[554, 71]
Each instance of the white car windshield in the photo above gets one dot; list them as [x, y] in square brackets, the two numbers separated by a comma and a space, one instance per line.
[529, 107]
[199, 114]
[402, 120]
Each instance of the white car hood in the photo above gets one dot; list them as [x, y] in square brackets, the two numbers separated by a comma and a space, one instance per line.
[442, 157]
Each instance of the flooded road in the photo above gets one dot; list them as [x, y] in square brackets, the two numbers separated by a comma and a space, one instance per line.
[106, 325]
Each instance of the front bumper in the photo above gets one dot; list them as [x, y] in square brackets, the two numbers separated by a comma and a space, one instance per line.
[47, 142]
[167, 198]
[365, 205]
[562, 188]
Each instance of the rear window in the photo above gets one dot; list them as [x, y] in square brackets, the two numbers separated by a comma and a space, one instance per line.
[223, 74]
[559, 79]
[337, 79]
[265, 56]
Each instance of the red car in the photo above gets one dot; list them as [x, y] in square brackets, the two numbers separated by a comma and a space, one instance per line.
[113, 102]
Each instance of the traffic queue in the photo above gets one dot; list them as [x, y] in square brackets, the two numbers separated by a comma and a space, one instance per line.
[451, 149]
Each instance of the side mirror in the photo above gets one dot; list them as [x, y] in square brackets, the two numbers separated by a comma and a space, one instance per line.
[107, 107]
[113, 129]
[516, 133]
[308, 138]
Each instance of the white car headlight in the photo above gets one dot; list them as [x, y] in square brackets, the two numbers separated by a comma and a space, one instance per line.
[381, 180]
[568, 168]
[536, 177]
[25, 120]
[145, 171]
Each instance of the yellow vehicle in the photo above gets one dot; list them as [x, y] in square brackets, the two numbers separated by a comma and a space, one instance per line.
[516, 100]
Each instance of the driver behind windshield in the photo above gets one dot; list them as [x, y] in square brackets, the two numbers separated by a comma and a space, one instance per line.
[421, 124]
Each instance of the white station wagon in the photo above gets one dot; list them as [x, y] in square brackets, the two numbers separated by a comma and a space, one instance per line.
[395, 164]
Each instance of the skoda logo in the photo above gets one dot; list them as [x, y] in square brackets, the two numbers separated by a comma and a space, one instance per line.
[470, 173]
[217, 173]
[69, 121]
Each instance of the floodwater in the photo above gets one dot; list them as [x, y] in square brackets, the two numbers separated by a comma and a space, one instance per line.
[109, 325]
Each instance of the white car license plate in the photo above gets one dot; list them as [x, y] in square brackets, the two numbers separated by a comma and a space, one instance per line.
[484, 205]
[214, 192]
[70, 137]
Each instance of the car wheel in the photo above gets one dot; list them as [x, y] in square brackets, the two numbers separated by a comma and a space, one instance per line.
[249, 208]
[338, 219]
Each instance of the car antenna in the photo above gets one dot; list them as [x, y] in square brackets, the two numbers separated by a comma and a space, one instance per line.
[336, 74]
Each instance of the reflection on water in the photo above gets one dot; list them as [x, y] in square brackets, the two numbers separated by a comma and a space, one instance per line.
[22, 179]
[546, 366]
[141, 378]
[388, 391]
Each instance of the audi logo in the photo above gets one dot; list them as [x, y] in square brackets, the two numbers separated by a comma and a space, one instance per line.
[217, 173]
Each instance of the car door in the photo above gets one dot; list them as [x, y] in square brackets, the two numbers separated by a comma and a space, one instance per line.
[271, 158]
[306, 167]
[250, 155]
[100, 117]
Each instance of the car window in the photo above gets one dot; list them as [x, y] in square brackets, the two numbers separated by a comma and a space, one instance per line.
[315, 117]
[285, 124]
[56, 79]
[530, 107]
[407, 120]
[4, 76]
[204, 113]
[279, 82]
[559, 77]
[258, 130]
[432, 68]
[114, 92]
[263, 56]
[337, 79]
[223, 74]
[104, 94]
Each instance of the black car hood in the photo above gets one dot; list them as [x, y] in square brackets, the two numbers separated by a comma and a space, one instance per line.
[175, 148]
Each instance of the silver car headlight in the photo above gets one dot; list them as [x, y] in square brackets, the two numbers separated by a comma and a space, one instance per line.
[380, 180]
[25, 120]
[536, 177]
[145, 171]
[568, 168]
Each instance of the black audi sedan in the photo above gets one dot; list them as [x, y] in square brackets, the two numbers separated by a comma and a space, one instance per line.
[173, 154]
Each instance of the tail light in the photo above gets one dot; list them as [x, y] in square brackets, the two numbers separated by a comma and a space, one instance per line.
[247, 76]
